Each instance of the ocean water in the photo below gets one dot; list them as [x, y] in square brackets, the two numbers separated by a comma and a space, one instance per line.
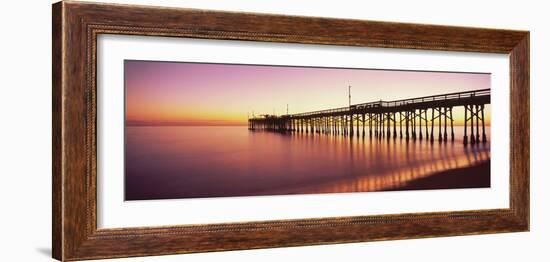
[167, 162]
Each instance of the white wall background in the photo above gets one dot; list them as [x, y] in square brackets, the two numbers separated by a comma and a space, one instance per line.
[25, 133]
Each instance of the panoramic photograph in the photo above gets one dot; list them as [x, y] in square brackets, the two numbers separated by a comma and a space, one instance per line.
[200, 130]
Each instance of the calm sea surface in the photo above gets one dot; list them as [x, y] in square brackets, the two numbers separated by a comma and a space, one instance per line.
[186, 162]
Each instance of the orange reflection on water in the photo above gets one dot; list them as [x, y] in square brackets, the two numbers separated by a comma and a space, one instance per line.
[392, 164]
[398, 178]
[185, 162]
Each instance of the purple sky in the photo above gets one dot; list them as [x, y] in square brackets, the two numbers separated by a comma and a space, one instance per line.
[223, 94]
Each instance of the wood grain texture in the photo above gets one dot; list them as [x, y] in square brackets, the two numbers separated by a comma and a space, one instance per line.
[519, 129]
[76, 27]
[57, 202]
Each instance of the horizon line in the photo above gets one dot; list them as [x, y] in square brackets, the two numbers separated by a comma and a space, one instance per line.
[180, 124]
[143, 125]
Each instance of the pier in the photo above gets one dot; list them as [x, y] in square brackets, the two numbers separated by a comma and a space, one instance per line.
[409, 119]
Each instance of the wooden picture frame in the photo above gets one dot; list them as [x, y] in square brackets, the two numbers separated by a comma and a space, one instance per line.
[76, 26]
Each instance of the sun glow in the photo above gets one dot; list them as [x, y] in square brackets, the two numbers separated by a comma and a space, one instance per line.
[166, 93]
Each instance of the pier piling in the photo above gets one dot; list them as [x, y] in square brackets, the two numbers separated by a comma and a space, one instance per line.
[379, 117]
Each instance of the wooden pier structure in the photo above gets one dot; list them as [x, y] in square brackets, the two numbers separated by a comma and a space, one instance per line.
[412, 118]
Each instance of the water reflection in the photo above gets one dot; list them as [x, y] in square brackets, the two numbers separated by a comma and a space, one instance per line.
[182, 162]
[391, 164]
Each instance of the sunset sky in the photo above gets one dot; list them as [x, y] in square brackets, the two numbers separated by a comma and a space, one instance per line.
[223, 94]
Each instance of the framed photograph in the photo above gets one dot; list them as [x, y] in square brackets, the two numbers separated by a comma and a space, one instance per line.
[183, 130]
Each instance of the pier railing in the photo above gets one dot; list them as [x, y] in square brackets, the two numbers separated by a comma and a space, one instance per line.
[450, 97]
[381, 115]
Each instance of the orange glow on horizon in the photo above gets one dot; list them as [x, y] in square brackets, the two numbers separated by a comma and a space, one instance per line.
[218, 94]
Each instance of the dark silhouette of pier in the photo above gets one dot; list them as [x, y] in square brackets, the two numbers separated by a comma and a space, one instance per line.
[406, 118]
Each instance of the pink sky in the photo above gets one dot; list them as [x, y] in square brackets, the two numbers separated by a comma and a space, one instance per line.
[223, 94]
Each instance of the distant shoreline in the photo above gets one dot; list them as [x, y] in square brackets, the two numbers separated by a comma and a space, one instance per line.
[186, 125]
